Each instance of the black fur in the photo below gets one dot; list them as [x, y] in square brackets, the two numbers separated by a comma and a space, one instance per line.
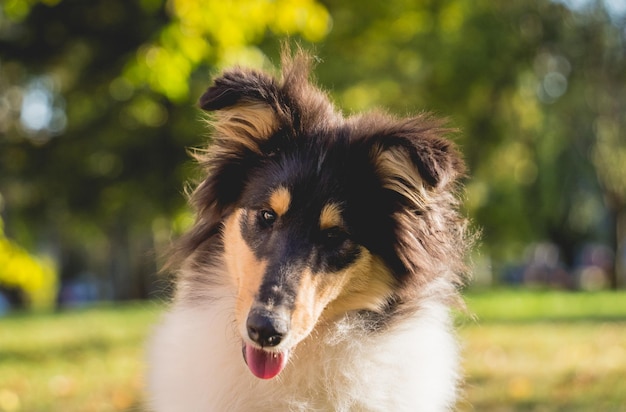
[368, 164]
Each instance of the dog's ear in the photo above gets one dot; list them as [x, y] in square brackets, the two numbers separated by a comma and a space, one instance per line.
[246, 108]
[419, 168]
[251, 106]
[413, 155]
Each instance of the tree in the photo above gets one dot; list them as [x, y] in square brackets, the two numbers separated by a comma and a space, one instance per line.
[32, 279]
[596, 47]
[98, 110]
[514, 76]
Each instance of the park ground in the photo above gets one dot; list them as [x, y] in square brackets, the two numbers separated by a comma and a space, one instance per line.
[523, 350]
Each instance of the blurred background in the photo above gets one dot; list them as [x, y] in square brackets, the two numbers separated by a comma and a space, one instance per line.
[98, 109]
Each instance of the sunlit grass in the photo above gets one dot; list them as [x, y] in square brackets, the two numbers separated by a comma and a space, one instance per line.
[548, 305]
[546, 367]
[545, 351]
[75, 361]
[528, 351]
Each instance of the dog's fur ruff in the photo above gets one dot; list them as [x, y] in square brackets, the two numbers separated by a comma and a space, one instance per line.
[369, 325]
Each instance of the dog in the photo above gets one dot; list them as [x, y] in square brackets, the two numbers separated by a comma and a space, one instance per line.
[325, 258]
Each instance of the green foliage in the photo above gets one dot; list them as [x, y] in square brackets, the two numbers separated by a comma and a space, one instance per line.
[225, 32]
[536, 88]
[463, 59]
[105, 180]
[35, 277]
[18, 10]
[610, 154]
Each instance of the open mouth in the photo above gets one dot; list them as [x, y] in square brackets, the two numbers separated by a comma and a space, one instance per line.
[262, 363]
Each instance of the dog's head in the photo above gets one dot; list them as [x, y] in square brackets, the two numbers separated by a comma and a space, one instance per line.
[317, 215]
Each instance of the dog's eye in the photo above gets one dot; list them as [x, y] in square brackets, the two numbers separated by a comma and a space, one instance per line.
[267, 217]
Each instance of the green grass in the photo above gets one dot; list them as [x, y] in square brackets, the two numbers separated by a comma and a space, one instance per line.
[74, 361]
[527, 351]
[526, 305]
[545, 351]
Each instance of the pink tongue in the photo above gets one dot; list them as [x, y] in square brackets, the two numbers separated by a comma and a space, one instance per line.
[264, 364]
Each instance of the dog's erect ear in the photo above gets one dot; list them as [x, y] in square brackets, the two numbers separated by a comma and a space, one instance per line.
[251, 106]
[413, 156]
[238, 86]
[420, 169]
[246, 107]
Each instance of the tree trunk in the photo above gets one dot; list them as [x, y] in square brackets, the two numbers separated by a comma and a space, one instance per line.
[619, 267]
[119, 261]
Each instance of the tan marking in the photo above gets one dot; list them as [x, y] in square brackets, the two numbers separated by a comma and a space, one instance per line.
[366, 284]
[304, 315]
[247, 124]
[330, 216]
[246, 270]
[401, 176]
[280, 199]
[314, 293]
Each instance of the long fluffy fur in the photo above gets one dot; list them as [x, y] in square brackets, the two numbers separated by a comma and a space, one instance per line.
[412, 366]
[403, 357]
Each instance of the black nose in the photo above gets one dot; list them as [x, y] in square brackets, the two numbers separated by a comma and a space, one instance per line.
[267, 328]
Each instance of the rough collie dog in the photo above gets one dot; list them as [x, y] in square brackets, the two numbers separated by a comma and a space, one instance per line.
[325, 256]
